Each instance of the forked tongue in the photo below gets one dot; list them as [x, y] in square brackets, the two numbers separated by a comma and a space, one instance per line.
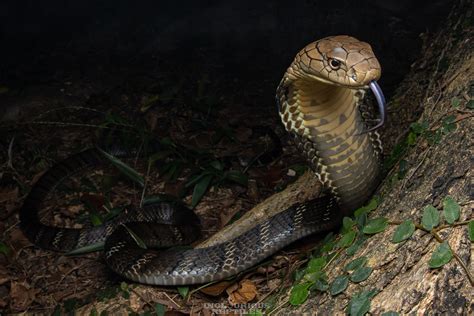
[377, 91]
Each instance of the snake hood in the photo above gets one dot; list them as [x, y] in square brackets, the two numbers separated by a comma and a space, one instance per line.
[341, 60]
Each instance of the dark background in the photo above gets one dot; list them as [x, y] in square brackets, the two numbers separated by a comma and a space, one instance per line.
[243, 42]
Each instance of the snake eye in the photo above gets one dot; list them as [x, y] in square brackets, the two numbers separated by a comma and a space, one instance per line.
[335, 64]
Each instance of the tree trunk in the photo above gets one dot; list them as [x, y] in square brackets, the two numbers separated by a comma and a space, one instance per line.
[439, 87]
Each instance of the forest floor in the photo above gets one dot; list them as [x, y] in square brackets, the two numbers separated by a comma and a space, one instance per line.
[209, 127]
[205, 127]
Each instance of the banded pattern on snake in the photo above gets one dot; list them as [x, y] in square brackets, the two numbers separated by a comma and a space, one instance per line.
[318, 99]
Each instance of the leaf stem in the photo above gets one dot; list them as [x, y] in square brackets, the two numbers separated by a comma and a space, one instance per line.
[455, 255]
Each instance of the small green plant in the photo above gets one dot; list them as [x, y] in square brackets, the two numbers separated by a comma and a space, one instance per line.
[314, 278]
[418, 130]
[4, 249]
[354, 232]
[213, 173]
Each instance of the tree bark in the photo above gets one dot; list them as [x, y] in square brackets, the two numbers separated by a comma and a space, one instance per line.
[401, 275]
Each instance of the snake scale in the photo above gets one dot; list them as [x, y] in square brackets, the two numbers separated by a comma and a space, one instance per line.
[320, 100]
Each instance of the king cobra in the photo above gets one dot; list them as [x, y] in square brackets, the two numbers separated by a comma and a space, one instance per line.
[321, 101]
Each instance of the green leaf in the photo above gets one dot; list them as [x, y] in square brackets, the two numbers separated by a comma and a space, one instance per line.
[361, 220]
[470, 104]
[404, 231]
[148, 102]
[441, 256]
[347, 239]
[160, 155]
[470, 228]
[4, 249]
[316, 264]
[372, 205]
[126, 294]
[347, 224]
[451, 210]
[183, 291]
[200, 189]
[402, 168]
[86, 249]
[70, 305]
[356, 245]
[390, 313]
[95, 219]
[216, 164]
[419, 128]
[314, 276]
[356, 263]
[321, 285]
[455, 102]
[361, 274]
[430, 217]
[448, 127]
[299, 293]
[124, 286]
[125, 169]
[411, 139]
[375, 226]
[359, 304]
[236, 176]
[328, 243]
[298, 275]
[339, 284]
[434, 137]
[140, 243]
[196, 178]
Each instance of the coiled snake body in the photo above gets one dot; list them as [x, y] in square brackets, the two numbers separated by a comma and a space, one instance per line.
[319, 99]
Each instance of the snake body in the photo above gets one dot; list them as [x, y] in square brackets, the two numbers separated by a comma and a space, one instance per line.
[318, 99]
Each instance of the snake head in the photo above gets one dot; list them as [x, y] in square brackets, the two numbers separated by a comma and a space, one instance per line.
[344, 61]
[341, 60]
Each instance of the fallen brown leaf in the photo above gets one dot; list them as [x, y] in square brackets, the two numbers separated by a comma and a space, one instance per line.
[245, 293]
[18, 240]
[8, 194]
[228, 213]
[22, 295]
[216, 289]
[4, 275]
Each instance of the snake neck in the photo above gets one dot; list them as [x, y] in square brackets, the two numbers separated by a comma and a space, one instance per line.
[330, 132]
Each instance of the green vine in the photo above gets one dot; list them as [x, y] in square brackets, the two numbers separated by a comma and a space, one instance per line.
[354, 232]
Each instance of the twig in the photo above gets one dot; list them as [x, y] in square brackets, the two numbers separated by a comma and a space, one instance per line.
[280, 286]
[452, 225]
[70, 271]
[277, 308]
[10, 155]
[141, 297]
[415, 170]
[334, 258]
[67, 108]
[147, 176]
[173, 301]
